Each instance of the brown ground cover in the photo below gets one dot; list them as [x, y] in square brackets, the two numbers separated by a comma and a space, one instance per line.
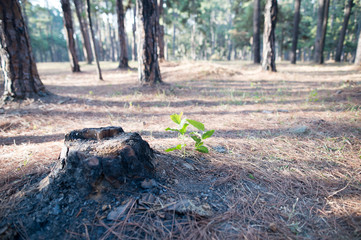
[284, 161]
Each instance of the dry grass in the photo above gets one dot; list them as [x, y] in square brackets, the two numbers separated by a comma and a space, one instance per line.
[310, 182]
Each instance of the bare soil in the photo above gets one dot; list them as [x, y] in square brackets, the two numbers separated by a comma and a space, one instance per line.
[285, 159]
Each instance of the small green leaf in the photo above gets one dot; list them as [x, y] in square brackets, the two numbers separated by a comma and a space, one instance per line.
[170, 149]
[183, 121]
[251, 176]
[196, 134]
[183, 130]
[179, 146]
[172, 129]
[196, 124]
[176, 118]
[199, 144]
[195, 138]
[207, 134]
[202, 149]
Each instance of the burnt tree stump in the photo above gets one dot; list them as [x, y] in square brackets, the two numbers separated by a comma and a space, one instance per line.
[92, 156]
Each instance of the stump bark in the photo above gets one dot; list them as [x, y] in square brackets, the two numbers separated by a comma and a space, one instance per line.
[94, 156]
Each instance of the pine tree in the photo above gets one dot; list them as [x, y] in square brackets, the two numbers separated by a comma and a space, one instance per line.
[17, 62]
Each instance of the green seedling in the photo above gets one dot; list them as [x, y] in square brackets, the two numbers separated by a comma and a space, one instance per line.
[197, 136]
[313, 96]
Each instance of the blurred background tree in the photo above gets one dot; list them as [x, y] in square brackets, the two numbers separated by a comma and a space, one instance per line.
[197, 29]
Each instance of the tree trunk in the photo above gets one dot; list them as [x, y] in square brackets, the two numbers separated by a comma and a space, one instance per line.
[115, 46]
[134, 45]
[21, 78]
[296, 22]
[23, 9]
[322, 19]
[107, 43]
[98, 40]
[99, 71]
[213, 34]
[52, 59]
[193, 42]
[79, 52]
[86, 28]
[174, 34]
[270, 20]
[161, 43]
[111, 48]
[256, 31]
[87, 50]
[341, 39]
[230, 46]
[107, 33]
[280, 44]
[160, 9]
[102, 38]
[123, 58]
[112, 43]
[49, 33]
[148, 66]
[160, 31]
[321, 9]
[68, 24]
[358, 51]
[230, 23]
[324, 27]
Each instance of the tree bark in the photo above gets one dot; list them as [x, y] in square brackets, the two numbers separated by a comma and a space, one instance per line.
[270, 20]
[112, 43]
[230, 23]
[50, 34]
[213, 34]
[296, 23]
[230, 46]
[321, 9]
[322, 19]
[87, 50]
[160, 9]
[68, 24]
[99, 71]
[193, 42]
[98, 37]
[111, 48]
[23, 9]
[21, 77]
[280, 44]
[166, 56]
[115, 46]
[123, 58]
[324, 28]
[161, 43]
[358, 51]
[148, 66]
[86, 28]
[174, 34]
[341, 39]
[256, 31]
[134, 45]
[160, 32]
[98, 29]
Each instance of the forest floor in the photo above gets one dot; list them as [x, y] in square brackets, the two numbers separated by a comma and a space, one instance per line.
[284, 161]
